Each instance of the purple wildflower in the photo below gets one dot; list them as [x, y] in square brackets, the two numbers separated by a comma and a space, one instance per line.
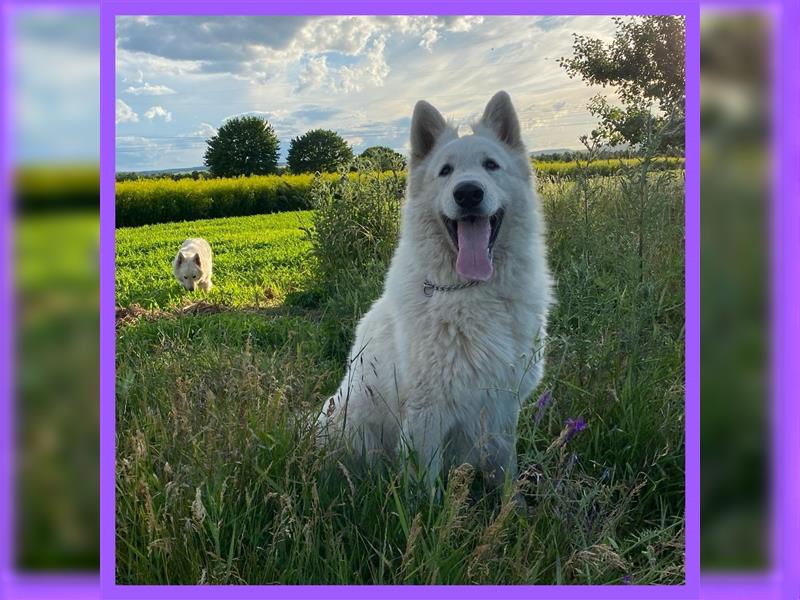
[544, 399]
[626, 579]
[574, 426]
[541, 404]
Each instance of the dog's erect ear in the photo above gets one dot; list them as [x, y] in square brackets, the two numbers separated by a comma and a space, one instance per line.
[197, 259]
[179, 259]
[427, 124]
[501, 118]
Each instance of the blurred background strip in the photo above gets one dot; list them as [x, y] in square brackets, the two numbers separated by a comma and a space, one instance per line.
[53, 107]
[736, 167]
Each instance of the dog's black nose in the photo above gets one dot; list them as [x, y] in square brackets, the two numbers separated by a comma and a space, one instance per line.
[468, 194]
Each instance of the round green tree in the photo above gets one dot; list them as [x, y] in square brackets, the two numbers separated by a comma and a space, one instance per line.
[243, 146]
[381, 158]
[318, 150]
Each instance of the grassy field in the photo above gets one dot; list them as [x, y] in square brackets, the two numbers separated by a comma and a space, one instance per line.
[217, 478]
[257, 260]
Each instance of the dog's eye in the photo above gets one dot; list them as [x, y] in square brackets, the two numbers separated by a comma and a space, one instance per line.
[186, 277]
[490, 165]
[194, 276]
[446, 170]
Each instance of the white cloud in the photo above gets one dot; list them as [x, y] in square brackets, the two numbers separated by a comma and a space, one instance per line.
[150, 90]
[125, 114]
[370, 71]
[348, 35]
[138, 77]
[373, 70]
[354, 140]
[314, 74]
[125, 142]
[429, 39]
[462, 24]
[269, 115]
[204, 131]
[419, 25]
[158, 111]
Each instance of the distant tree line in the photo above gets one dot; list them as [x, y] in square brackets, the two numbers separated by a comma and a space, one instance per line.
[248, 145]
[134, 176]
[570, 155]
[319, 150]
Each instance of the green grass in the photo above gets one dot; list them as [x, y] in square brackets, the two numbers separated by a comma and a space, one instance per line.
[218, 480]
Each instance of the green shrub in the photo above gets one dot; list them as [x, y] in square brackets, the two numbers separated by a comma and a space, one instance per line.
[149, 201]
[356, 224]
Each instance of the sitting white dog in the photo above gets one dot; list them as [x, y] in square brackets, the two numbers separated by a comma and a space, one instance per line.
[193, 263]
[445, 357]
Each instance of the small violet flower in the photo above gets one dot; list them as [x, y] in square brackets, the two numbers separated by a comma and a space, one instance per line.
[541, 404]
[544, 399]
[574, 426]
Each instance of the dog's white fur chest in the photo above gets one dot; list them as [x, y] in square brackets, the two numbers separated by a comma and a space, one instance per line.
[466, 340]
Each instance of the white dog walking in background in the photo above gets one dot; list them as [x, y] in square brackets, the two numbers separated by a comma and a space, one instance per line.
[444, 358]
[193, 264]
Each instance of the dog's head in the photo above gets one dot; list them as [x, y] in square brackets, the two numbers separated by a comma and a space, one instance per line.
[470, 184]
[188, 269]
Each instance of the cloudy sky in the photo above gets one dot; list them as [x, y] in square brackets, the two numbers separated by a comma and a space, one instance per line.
[180, 78]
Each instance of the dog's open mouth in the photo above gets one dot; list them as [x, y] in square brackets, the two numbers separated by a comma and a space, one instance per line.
[474, 237]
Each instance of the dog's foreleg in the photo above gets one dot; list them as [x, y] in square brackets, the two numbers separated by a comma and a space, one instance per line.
[499, 468]
[422, 440]
[499, 460]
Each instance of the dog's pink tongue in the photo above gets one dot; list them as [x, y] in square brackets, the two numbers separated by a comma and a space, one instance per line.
[473, 249]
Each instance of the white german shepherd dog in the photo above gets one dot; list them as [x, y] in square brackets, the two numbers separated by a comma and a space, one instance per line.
[445, 357]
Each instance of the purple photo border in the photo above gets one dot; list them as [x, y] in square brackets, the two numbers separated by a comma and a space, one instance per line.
[782, 579]
[786, 299]
[16, 584]
[110, 9]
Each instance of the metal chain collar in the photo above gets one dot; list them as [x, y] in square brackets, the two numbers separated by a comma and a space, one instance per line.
[429, 288]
